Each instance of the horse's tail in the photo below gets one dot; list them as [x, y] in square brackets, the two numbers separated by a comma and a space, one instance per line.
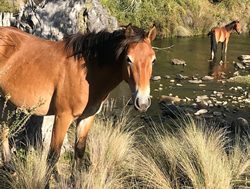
[213, 43]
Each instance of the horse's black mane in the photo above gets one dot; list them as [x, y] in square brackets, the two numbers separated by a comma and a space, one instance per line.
[231, 25]
[102, 47]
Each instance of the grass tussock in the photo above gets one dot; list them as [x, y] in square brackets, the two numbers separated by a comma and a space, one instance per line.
[119, 155]
[30, 172]
[111, 154]
[195, 157]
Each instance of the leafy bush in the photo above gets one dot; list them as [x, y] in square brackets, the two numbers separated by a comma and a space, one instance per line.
[197, 16]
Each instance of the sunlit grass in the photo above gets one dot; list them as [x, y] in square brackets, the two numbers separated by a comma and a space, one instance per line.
[240, 79]
[120, 155]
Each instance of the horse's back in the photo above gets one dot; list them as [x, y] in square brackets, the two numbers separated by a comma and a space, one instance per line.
[220, 33]
[29, 68]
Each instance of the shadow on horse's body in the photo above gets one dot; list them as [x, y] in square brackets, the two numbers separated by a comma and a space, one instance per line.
[72, 78]
[222, 35]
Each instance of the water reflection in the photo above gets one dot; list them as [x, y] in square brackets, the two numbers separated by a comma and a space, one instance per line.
[217, 69]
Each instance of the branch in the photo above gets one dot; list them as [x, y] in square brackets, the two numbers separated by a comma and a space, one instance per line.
[164, 48]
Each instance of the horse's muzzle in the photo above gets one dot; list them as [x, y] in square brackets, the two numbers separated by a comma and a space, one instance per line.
[142, 104]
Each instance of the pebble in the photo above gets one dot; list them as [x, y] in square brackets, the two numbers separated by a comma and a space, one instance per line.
[156, 78]
[179, 85]
[201, 111]
[202, 85]
[195, 81]
[172, 81]
[207, 78]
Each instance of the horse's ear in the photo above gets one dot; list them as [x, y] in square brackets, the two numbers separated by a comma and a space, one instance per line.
[152, 33]
[129, 32]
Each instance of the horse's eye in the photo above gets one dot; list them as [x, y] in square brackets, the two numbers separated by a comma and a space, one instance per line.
[154, 61]
[129, 61]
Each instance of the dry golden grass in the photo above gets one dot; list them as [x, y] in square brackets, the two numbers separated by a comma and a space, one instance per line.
[194, 155]
[30, 172]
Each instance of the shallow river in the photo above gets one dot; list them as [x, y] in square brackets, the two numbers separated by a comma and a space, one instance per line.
[196, 52]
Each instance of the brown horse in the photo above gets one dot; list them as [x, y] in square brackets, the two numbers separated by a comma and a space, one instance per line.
[73, 77]
[222, 35]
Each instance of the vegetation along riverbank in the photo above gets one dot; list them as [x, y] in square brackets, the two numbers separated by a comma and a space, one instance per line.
[182, 17]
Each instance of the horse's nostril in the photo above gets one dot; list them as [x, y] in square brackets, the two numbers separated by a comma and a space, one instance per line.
[142, 106]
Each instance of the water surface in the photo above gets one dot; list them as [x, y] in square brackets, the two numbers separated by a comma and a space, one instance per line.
[196, 52]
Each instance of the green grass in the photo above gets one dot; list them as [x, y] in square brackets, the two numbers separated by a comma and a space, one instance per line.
[240, 79]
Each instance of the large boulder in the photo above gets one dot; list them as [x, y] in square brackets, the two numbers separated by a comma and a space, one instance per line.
[52, 19]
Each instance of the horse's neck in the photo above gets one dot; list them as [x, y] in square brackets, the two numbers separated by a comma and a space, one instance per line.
[104, 79]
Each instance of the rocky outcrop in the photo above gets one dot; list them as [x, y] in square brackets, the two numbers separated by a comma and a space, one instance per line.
[52, 19]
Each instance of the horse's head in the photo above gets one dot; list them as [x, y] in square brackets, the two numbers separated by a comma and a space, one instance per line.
[139, 59]
[237, 27]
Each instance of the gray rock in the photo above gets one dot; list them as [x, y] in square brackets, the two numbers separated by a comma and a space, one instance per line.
[53, 19]
[167, 77]
[156, 78]
[244, 57]
[178, 62]
[239, 66]
[170, 99]
[195, 81]
[200, 112]
[237, 73]
[207, 78]
[201, 98]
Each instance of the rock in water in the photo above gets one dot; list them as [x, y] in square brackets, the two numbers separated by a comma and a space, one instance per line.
[170, 99]
[200, 112]
[178, 62]
[156, 78]
[244, 57]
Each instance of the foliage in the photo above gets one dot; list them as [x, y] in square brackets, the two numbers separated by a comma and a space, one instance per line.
[6, 6]
[197, 16]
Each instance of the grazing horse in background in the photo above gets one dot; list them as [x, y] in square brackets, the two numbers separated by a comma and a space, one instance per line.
[222, 35]
[73, 77]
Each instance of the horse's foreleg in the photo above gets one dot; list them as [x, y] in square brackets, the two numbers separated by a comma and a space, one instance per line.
[225, 50]
[222, 52]
[81, 136]
[61, 125]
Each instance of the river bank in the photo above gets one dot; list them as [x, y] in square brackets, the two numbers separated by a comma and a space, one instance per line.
[180, 18]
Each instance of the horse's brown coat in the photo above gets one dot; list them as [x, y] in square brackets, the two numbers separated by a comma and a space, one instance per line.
[222, 35]
[72, 84]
